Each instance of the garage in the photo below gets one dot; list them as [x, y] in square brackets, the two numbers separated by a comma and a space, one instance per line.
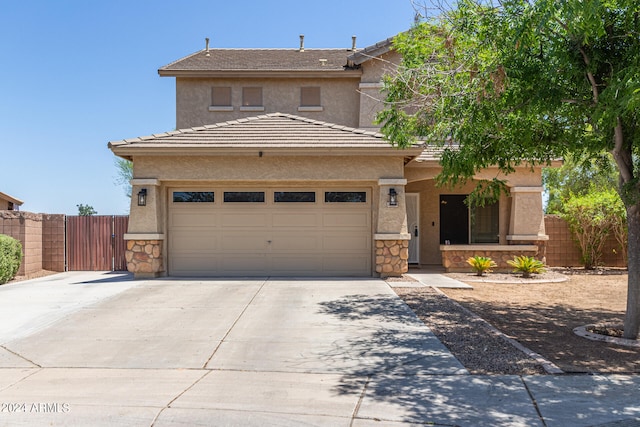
[261, 231]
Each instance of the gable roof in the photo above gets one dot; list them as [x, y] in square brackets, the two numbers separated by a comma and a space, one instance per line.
[13, 200]
[220, 61]
[285, 133]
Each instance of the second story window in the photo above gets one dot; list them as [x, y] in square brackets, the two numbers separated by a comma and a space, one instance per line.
[221, 99]
[310, 99]
[252, 99]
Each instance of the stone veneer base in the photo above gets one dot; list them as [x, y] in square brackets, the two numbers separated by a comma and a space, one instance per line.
[454, 260]
[144, 258]
[392, 257]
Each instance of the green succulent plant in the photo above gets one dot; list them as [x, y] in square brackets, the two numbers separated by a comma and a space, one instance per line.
[527, 265]
[481, 264]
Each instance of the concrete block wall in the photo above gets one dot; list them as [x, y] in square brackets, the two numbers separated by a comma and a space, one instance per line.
[42, 238]
[53, 242]
[562, 251]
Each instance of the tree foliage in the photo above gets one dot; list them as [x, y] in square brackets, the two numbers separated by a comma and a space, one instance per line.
[578, 177]
[592, 219]
[124, 169]
[520, 83]
[86, 210]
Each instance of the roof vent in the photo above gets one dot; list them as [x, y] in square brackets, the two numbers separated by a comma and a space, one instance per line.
[301, 42]
[206, 40]
[353, 43]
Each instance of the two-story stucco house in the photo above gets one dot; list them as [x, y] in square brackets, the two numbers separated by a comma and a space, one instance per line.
[278, 169]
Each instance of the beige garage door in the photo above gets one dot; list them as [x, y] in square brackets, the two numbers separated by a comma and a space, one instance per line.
[278, 232]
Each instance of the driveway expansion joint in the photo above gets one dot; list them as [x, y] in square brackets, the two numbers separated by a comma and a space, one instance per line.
[20, 356]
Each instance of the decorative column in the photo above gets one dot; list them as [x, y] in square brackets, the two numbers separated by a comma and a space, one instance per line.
[392, 238]
[526, 226]
[144, 254]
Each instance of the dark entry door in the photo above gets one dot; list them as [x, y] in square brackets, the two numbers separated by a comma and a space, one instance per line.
[454, 220]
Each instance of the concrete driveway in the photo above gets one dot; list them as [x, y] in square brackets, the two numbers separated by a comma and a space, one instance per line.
[101, 349]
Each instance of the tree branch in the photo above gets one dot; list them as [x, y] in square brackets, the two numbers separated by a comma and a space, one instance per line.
[621, 155]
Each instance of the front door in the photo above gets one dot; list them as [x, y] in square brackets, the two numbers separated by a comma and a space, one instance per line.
[413, 219]
[454, 220]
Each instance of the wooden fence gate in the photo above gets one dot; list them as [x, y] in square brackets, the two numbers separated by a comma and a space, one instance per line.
[96, 243]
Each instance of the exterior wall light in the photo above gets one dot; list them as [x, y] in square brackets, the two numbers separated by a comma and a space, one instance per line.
[142, 197]
[393, 197]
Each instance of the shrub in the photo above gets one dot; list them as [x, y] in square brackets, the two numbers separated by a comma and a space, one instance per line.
[591, 219]
[10, 258]
[527, 265]
[481, 264]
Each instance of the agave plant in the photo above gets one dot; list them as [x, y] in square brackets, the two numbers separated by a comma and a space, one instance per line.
[481, 264]
[527, 265]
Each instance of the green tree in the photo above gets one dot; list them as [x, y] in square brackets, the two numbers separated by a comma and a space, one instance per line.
[592, 218]
[124, 170]
[86, 210]
[522, 83]
[578, 178]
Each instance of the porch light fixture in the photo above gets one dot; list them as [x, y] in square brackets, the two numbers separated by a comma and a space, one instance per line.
[142, 197]
[393, 197]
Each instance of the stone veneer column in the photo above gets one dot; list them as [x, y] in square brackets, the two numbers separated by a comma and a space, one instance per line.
[144, 238]
[392, 238]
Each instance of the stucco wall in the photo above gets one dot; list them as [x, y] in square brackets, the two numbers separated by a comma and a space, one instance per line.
[339, 98]
[371, 95]
[251, 171]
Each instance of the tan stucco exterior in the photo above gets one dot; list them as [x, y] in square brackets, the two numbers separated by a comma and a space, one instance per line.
[339, 100]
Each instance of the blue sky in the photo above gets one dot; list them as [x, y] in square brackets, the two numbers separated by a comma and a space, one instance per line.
[76, 74]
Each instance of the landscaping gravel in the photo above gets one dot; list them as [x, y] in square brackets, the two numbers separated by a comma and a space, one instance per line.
[479, 347]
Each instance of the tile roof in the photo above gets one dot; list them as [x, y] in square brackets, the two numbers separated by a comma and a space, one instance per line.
[363, 55]
[260, 60]
[275, 130]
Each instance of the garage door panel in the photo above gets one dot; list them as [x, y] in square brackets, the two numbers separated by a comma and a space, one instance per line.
[244, 264]
[357, 265]
[296, 241]
[346, 242]
[244, 241]
[195, 241]
[288, 220]
[296, 264]
[187, 265]
[193, 219]
[347, 219]
[247, 220]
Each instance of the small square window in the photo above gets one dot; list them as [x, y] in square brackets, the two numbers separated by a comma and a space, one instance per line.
[309, 96]
[221, 97]
[252, 97]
